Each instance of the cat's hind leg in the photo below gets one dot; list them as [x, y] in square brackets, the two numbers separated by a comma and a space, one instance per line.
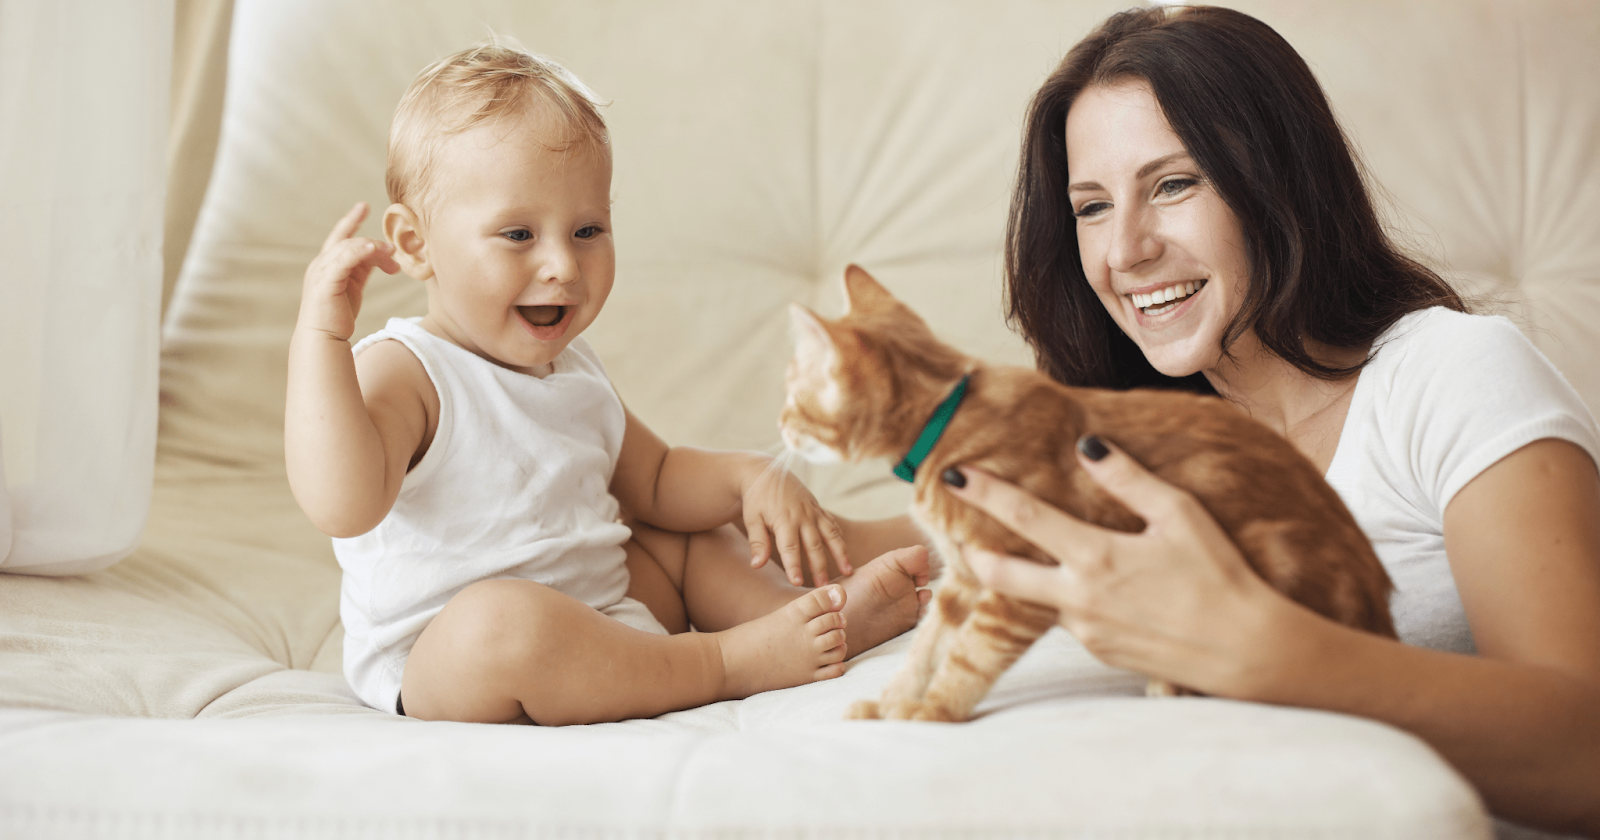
[996, 632]
[951, 604]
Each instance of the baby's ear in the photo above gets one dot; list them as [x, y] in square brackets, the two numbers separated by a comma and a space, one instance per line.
[813, 344]
[404, 231]
[862, 293]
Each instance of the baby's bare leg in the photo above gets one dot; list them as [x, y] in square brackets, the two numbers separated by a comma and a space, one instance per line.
[720, 591]
[650, 582]
[515, 651]
[709, 574]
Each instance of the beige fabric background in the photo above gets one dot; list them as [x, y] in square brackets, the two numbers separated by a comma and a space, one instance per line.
[199, 76]
[759, 148]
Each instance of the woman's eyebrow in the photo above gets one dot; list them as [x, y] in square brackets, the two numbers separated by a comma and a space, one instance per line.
[1144, 171]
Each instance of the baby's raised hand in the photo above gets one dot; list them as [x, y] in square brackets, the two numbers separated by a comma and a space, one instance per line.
[331, 297]
[779, 511]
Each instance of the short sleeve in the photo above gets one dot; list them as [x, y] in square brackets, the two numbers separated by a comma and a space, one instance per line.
[1471, 390]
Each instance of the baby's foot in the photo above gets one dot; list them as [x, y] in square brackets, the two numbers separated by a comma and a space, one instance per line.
[799, 642]
[885, 598]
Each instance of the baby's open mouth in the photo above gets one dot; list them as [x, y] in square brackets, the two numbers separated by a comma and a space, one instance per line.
[542, 316]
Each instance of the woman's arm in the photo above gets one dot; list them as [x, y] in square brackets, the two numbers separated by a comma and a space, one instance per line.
[1521, 720]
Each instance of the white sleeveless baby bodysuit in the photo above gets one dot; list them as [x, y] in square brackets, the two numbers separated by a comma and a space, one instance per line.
[514, 485]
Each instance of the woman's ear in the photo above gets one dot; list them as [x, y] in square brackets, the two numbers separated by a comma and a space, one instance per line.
[404, 230]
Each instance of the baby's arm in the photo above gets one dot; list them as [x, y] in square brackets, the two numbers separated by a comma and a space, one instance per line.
[347, 442]
[682, 488]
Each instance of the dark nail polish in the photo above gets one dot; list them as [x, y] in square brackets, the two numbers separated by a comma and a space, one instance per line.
[954, 478]
[1092, 447]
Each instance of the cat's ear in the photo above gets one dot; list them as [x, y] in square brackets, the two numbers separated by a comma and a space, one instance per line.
[862, 293]
[813, 345]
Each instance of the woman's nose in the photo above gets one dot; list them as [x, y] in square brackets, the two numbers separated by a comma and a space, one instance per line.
[1134, 240]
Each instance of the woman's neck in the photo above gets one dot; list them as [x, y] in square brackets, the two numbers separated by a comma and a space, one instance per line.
[1310, 412]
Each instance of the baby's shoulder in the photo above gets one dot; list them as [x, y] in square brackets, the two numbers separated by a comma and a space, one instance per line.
[390, 373]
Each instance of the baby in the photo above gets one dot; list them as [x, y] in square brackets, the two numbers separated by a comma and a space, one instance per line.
[476, 466]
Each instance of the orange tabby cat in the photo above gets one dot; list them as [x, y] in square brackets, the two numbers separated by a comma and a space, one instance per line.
[865, 386]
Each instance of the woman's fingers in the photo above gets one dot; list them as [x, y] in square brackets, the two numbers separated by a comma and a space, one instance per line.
[1022, 579]
[1056, 533]
[1129, 482]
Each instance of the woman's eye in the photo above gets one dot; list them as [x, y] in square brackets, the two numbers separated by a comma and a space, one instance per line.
[518, 235]
[588, 232]
[1091, 208]
[1175, 186]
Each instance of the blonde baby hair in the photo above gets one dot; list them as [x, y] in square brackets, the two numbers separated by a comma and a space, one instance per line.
[484, 82]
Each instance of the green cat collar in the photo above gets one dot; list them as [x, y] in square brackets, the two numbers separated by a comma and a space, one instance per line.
[907, 468]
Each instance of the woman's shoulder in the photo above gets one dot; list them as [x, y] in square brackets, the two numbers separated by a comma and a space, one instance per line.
[1458, 391]
[1441, 328]
[1438, 347]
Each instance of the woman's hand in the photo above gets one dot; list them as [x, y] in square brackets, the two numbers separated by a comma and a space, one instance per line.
[1176, 601]
[780, 512]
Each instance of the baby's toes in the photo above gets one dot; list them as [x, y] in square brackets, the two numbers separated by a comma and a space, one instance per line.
[826, 623]
[831, 646]
[819, 603]
[828, 672]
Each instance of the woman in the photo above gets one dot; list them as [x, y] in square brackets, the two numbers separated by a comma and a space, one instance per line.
[1189, 215]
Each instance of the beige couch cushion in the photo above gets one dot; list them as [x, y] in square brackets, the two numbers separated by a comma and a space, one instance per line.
[759, 148]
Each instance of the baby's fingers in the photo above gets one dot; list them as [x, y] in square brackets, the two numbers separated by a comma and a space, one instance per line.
[788, 540]
[817, 552]
[355, 259]
[346, 226]
[756, 531]
[834, 536]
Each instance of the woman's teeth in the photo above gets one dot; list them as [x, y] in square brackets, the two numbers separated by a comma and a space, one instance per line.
[1157, 301]
[542, 316]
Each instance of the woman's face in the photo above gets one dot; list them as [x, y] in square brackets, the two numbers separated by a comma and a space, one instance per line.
[1159, 245]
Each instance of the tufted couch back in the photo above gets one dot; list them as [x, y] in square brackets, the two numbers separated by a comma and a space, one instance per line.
[760, 147]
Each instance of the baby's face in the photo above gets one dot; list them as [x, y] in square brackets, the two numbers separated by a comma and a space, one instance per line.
[519, 240]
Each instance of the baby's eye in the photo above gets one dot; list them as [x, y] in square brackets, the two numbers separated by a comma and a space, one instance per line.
[1091, 208]
[1175, 186]
[518, 235]
[588, 232]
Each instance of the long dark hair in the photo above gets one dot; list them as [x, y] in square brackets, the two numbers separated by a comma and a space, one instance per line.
[1251, 114]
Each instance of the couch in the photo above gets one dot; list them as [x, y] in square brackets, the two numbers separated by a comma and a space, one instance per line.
[193, 690]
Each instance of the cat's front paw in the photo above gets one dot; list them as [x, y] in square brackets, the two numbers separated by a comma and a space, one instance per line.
[1162, 688]
[936, 714]
[862, 710]
[900, 709]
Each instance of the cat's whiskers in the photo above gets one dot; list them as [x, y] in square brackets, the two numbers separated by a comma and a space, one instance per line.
[780, 463]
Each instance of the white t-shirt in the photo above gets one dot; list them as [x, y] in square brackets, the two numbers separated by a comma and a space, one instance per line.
[1445, 396]
[516, 484]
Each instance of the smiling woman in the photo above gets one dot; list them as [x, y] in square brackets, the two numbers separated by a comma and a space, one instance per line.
[1254, 136]
[1189, 214]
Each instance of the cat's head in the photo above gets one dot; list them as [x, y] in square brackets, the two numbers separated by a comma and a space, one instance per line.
[861, 386]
